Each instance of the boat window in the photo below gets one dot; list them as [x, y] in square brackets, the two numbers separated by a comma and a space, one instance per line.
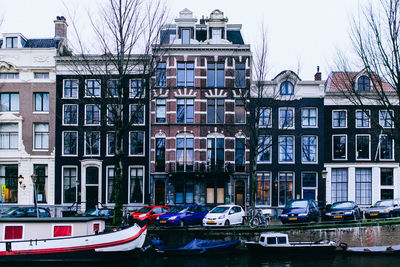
[64, 230]
[13, 232]
[282, 240]
[96, 227]
[271, 240]
[262, 239]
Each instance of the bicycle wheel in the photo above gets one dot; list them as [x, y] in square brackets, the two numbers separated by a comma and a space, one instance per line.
[255, 222]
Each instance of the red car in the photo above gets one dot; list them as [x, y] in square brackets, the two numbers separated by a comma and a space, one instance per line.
[148, 214]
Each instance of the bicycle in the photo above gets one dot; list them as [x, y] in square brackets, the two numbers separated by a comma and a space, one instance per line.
[258, 218]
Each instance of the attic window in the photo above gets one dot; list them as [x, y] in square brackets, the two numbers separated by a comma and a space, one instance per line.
[216, 34]
[41, 75]
[11, 42]
[185, 36]
[287, 88]
[363, 84]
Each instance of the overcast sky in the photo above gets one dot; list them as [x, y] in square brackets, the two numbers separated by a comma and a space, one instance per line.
[301, 33]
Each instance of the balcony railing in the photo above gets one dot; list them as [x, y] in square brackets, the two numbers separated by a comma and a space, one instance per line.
[202, 167]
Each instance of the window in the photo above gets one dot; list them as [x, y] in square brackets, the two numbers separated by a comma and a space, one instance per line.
[136, 185]
[184, 192]
[69, 185]
[240, 111]
[309, 149]
[6, 76]
[70, 114]
[216, 74]
[364, 186]
[309, 185]
[215, 191]
[41, 171]
[185, 75]
[92, 88]
[185, 110]
[110, 184]
[62, 230]
[11, 42]
[286, 149]
[9, 136]
[265, 119]
[386, 194]
[264, 149]
[41, 136]
[9, 181]
[185, 36]
[215, 110]
[161, 110]
[111, 143]
[70, 89]
[309, 117]
[92, 143]
[385, 118]
[286, 117]
[385, 147]
[362, 147]
[113, 87]
[70, 143]
[240, 154]
[387, 189]
[41, 102]
[136, 89]
[339, 119]
[216, 35]
[240, 75]
[339, 147]
[9, 102]
[286, 88]
[184, 154]
[137, 114]
[160, 155]
[161, 74]
[263, 187]
[285, 187]
[362, 119]
[92, 115]
[339, 185]
[41, 75]
[364, 84]
[114, 114]
[136, 143]
[215, 153]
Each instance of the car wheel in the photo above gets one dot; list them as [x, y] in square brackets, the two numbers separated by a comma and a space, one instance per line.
[181, 223]
[227, 223]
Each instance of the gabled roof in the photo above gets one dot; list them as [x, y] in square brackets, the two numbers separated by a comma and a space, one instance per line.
[340, 81]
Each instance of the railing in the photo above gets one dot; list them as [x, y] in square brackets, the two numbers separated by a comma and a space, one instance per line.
[202, 167]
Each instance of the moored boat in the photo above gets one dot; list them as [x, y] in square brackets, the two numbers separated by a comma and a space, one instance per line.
[271, 243]
[372, 250]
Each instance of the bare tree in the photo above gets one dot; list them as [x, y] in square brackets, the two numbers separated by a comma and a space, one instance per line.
[124, 33]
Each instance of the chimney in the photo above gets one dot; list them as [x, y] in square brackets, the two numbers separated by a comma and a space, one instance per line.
[317, 76]
[61, 26]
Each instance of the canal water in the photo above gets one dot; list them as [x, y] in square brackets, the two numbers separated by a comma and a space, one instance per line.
[236, 260]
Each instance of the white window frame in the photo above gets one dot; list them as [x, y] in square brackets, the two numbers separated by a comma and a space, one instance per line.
[165, 113]
[293, 187]
[108, 93]
[144, 144]
[270, 119]
[129, 183]
[270, 148]
[369, 147]
[130, 89]
[368, 112]
[52, 230]
[108, 113]
[107, 145]
[294, 118]
[316, 151]
[393, 151]
[390, 117]
[270, 188]
[144, 113]
[216, 110]
[333, 150]
[316, 117]
[77, 114]
[62, 182]
[77, 93]
[346, 118]
[77, 144]
[88, 124]
[86, 89]
[307, 187]
[34, 103]
[34, 137]
[85, 144]
[108, 167]
[294, 150]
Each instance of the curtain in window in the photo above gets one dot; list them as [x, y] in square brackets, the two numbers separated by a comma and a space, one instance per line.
[13, 232]
[60, 231]
[136, 185]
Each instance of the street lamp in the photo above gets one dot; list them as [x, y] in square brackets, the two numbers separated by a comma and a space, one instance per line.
[20, 180]
[34, 180]
[324, 173]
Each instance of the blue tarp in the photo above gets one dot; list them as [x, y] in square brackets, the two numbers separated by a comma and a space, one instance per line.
[196, 245]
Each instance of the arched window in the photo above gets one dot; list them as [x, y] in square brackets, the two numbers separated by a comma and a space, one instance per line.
[364, 84]
[287, 88]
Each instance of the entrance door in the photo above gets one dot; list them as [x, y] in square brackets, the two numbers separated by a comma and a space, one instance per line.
[92, 187]
[239, 193]
[159, 192]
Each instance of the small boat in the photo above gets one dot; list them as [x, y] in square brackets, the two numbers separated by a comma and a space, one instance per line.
[66, 239]
[271, 243]
[377, 250]
[196, 247]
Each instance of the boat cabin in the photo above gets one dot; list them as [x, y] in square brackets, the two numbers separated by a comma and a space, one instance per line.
[14, 229]
[273, 239]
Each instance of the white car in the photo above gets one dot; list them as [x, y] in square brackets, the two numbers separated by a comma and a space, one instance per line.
[224, 215]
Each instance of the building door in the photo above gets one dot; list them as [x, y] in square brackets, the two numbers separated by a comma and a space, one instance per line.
[239, 193]
[92, 187]
[159, 192]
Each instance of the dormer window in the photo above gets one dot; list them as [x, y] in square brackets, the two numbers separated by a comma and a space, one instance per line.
[185, 36]
[216, 35]
[364, 84]
[287, 88]
[11, 42]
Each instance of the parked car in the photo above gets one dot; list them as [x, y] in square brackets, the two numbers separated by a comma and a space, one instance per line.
[25, 212]
[300, 210]
[343, 210]
[183, 215]
[384, 209]
[224, 215]
[107, 214]
[148, 214]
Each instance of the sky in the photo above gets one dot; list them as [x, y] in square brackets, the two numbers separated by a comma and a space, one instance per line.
[302, 34]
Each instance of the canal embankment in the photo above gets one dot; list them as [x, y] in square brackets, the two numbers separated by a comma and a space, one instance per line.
[366, 233]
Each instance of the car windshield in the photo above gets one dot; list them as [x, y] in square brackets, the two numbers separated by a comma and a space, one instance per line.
[297, 204]
[219, 209]
[341, 206]
[8, 211]
[144, 210]
[90, 212]
[383, 203]
[177, 210]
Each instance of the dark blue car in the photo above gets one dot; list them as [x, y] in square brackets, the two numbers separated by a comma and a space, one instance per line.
[183, 215]
[300, 210]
